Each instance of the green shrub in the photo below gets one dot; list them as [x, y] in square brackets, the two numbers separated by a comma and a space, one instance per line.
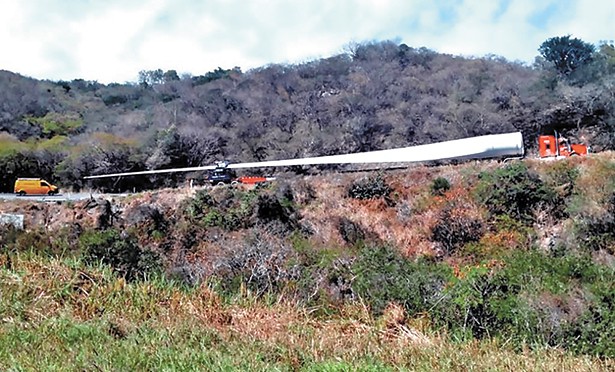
[516, 191]
[350, 231]
[454, 230]
[531, 298]
[323, 275]
[477, 304]
[197, 205]
[382, 276]
[228, 209]
[55, 124]
[562, 173]
[596, 232]
[369, 188]
[120, 251]
[235, 209]
[594, 332]
[439, 186]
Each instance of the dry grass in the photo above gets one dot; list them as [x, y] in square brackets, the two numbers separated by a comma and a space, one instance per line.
[43, 300]
[407, 222]
[39, 295]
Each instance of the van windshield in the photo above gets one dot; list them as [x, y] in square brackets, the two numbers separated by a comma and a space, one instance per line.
[45, 184]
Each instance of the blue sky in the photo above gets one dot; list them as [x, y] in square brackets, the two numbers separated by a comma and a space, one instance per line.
[112, 40]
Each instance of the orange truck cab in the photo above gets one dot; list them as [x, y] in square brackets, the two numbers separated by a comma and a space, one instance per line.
[556, 146]
[34, 186]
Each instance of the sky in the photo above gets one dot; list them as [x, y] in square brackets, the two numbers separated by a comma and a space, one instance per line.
[112, 40]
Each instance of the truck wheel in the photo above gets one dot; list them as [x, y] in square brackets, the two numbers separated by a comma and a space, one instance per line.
[220, 184]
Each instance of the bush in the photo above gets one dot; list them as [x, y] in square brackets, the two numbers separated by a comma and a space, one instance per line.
[260, 263]
[382, 276]
[478, 304]
[596, 232]
[516, 191]
[269, 208]
[121, 252]
[454, 229]
[439, 186]
[532, 298]
[369, 188]
[350, 231]
[228, 209]
[324, 275]
[562, 173]
[594, 332]
[304, 193]
[8, 235]
[147, 219]
[233, 210]
[197, 205]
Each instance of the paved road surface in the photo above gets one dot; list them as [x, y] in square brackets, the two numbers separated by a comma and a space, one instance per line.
[58, 198]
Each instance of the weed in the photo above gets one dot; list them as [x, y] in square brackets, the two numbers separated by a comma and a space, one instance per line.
[439, 186]
[454, 229]
[516, 191]
[350, 231]
[369, 188]
[383, 276]
[121, 252]
[71, 316]
[596, 232]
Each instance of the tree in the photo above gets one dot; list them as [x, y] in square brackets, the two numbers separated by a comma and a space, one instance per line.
[151, 77]
[170, 75]
[566, 53]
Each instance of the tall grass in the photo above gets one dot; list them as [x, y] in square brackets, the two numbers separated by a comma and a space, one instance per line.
[60, 314]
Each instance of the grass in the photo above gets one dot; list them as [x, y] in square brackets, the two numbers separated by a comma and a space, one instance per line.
[59, 314]
[63, 314]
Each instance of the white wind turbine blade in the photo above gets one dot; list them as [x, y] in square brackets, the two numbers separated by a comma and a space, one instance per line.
[156, 171]
[489, 146]
[495, 145]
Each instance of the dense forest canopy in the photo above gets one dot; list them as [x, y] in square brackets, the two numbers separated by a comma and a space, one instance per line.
[377, 95]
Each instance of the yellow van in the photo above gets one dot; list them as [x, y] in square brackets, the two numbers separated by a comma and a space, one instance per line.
[34, 186]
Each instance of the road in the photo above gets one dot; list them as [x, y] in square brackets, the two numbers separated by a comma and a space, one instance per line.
[58, 198]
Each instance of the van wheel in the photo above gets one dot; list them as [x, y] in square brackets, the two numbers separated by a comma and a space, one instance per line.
[50, 193]
[220, 184]
[21, 193]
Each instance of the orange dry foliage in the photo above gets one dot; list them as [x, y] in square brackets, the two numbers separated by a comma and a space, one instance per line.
[501, 239]
[460, 272]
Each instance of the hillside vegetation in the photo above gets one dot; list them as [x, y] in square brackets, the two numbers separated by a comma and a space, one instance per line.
[375, 96]
[459, 266]
[480, 265]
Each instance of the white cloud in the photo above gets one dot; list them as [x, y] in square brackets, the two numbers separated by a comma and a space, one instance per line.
[111, 41]
[486, 28]
[106, 43]
[19, 52]
[593, 21]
